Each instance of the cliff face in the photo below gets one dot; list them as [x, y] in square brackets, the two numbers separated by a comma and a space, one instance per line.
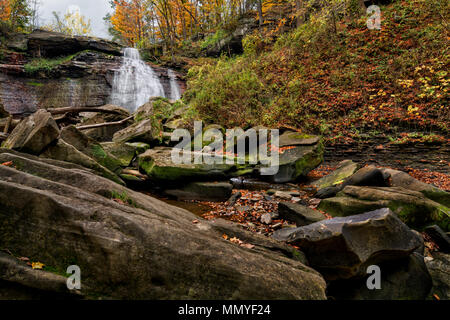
[47, 69]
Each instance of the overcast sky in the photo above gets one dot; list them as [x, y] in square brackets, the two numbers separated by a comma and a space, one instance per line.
[91, 9]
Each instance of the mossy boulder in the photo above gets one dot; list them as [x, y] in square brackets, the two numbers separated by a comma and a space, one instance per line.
[157, 163]
[64, 151]
[297, 162]
[412, 207]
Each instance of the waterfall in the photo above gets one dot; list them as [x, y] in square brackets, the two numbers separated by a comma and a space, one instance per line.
[175, 93]
[135, 82]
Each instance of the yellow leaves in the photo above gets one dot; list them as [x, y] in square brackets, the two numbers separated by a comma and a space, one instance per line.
[406, 83]
[412, 109]
[37, 265]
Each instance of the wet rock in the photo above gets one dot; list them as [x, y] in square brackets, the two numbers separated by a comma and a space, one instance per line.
[147, 243]
[327, 192]
[343, 248]
[33, 133]
[203, 191]
[439, 237]
[299, 214]
[404, 279]
[411, 206]
[439, 269]
[344, 170]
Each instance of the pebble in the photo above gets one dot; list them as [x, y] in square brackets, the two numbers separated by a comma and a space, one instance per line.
[266, 218]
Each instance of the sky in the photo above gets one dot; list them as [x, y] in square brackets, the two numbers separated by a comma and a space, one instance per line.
[91, 9]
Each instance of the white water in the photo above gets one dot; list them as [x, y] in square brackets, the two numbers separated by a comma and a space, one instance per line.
[135, 82]
[175, 93]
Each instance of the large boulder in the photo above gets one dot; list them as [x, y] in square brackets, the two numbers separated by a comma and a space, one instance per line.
[367, 176]
[90, 147]
[298, 161]
[33, 134]
[131, 246]
[19, 281]
[157, 163]
[411, 206]
[343, 248]
[64, 151]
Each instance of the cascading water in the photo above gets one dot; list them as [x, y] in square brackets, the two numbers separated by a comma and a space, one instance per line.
[175, 93]
[135, 82]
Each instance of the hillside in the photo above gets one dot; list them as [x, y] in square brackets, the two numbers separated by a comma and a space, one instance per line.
[341, 81]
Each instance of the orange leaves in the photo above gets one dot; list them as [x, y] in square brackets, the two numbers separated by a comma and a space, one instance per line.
[238, 242]
[5, 10]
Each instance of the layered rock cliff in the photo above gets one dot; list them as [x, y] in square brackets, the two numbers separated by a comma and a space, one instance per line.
[46, 69]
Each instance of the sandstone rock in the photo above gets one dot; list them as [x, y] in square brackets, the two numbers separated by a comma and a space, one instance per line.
[299, 214]
[439, 269]
[66, 152]
[343, 248]
[411, 206]
[33, 133]
[203, 191]
[143, 250]
[54, 44]
[125, 152]
[344, 170]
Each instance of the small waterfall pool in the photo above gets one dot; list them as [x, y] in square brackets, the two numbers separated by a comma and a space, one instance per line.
[136, 82]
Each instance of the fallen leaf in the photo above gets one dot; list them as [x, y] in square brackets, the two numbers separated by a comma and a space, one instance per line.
[247, 245]
[37, 265]
[225, 237]
[8, 164]
[195, 221]
[436, 296]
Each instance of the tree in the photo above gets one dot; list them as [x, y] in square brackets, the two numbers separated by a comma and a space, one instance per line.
[34, 10]
[73, 23]
[20, 14]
